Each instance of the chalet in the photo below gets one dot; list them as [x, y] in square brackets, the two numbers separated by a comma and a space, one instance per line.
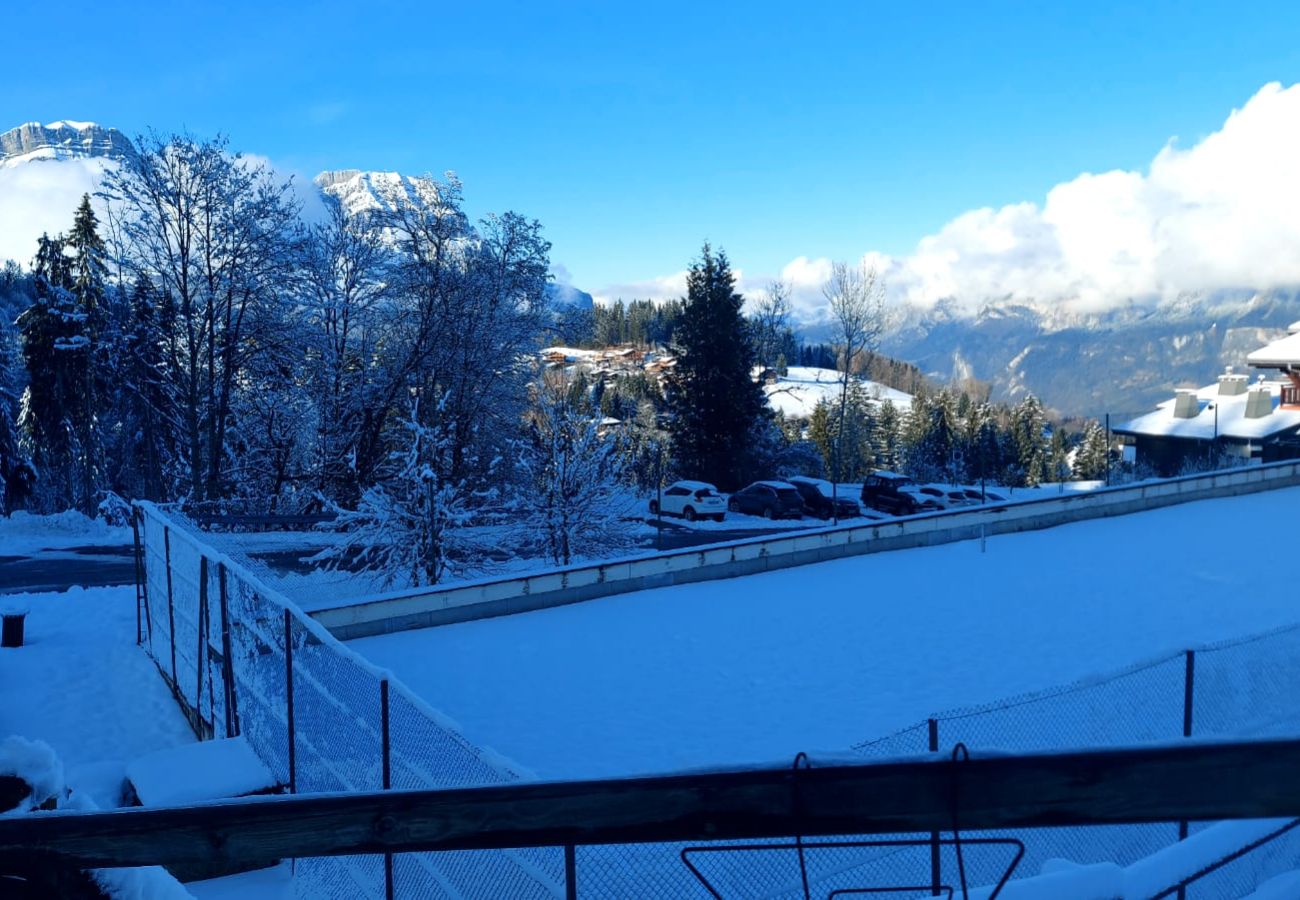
[1254, 422]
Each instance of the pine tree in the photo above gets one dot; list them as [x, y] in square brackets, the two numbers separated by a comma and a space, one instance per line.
[15, 469]
[88, 274]
[1028, 426]
[715, 400]
[1090, 459]
[52, 345]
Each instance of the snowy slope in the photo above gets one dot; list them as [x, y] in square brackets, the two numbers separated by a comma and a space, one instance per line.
[821, 657]
[797, 393]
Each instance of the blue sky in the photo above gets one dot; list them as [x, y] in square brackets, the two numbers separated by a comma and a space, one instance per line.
[634, 131]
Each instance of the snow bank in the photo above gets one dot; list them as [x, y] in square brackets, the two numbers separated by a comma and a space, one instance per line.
[23, 533]
[36, 763]
[146, 883]
[210, 770]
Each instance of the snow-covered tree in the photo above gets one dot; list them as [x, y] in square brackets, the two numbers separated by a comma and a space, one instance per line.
[575, 496]
[213, 232]
[16, 473]
[1029, 437]
[1090, 458]
[411, 527]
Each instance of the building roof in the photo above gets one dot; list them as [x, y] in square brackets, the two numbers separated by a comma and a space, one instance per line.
[1232, 421]
[1284, 352]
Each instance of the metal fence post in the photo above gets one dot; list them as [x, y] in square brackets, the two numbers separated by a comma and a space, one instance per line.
[135, 534]
[388, 776]
[570, 872]
[171, 612]
[227, 665]
[202, 640]
[1189, 685]
[288, 690]
[936, 862]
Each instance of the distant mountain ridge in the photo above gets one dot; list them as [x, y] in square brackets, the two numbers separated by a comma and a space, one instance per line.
[62, 140]
[1121, 361]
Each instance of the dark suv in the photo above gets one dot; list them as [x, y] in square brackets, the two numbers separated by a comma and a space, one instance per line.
[818, 505]
[769, 499]
[895, 494]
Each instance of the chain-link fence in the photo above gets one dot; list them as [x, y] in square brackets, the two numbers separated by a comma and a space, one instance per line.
[243, 660]
[1245, 688]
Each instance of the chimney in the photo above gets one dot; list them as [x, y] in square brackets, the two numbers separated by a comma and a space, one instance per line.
[1186, 405]
[1230, 384]
[1259, 402]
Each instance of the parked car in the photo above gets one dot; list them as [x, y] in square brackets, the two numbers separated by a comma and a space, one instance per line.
[817, 504]
[895, 494]
[692, 500]
[769, 499]
[946, 496]
[975, 495]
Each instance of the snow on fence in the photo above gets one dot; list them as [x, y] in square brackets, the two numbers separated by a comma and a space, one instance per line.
[425, 607]
[241, 659]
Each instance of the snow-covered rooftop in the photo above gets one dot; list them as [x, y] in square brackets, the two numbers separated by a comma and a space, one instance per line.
[797, 393]
[1231, 421]
[1284, 352]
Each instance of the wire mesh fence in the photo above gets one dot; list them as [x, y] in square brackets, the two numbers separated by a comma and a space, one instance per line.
[243, 660]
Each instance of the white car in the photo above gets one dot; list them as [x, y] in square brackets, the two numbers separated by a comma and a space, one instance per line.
[946, 496]
[691, 500]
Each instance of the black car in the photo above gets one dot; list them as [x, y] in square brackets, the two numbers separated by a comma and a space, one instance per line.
[895, 494]
[769, 499]
[818, 505]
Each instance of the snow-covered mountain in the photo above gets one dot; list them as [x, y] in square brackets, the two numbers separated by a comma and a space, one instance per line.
[1123, 361]
[62, 141]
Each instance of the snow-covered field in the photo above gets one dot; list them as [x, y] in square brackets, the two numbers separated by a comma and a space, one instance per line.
[797, 393]
[820, 657]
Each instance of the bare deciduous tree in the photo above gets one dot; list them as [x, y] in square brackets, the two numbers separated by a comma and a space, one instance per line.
[857, 301]
[770, 318]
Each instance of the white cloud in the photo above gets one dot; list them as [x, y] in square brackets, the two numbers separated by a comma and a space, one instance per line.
[40, 197]
[1222, 214]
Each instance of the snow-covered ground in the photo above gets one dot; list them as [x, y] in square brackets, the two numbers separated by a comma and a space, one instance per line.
[820, 657]
[22, 533]
[82, 685]
[797, 393]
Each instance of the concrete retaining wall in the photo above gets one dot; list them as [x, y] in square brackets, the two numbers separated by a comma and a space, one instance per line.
[424, 608]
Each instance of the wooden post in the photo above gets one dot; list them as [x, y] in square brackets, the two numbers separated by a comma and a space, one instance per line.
[288, 688]
[936, 860]
[386, 752]
[171, 611]
[227, 666]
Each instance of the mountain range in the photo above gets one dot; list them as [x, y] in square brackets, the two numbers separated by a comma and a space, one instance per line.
[1122, 361]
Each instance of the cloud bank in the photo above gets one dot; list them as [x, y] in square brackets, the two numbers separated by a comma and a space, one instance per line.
[1222, 214]
[40, 197]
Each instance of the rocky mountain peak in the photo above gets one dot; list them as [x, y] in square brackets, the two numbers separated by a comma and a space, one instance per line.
[62, 140]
